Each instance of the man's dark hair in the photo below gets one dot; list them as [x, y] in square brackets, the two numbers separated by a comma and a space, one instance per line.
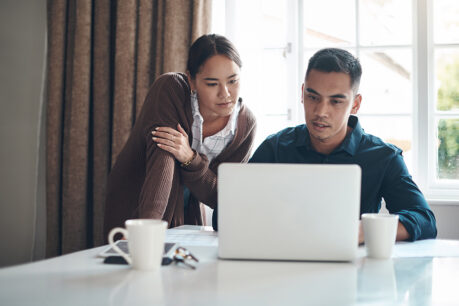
[207, 46]
[337, 60]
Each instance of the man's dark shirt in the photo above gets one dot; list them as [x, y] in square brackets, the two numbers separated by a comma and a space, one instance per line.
[384, 173]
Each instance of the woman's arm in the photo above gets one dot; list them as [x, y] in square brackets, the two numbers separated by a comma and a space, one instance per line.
[202, 180]
[164, 106]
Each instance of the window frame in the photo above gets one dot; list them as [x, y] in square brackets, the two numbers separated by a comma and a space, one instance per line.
[423, 92]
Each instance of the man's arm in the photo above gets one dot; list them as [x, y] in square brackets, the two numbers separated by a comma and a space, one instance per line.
[403, 197]
[264, 153]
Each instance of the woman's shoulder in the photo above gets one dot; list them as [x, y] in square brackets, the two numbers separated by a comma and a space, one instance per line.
[172, 79]
[246, 114]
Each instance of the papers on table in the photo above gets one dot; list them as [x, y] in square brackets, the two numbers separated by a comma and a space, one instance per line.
[192, 237]
[427, 248]
[422, 248]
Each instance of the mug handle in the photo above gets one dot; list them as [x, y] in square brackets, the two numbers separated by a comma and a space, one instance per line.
[112, 234]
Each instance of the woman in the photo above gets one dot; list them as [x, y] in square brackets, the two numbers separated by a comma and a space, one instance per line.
[188, 125]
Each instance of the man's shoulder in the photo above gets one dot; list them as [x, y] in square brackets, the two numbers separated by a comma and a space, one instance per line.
[287, 136]
[375, 143]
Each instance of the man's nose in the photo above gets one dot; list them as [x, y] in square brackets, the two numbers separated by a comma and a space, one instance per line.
[322, 109]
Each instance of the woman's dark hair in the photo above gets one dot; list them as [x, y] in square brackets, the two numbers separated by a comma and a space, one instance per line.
[337, 60]
[207, 46]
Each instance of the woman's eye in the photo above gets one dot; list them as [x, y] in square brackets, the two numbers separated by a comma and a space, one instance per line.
[212, 84]
[233, 81]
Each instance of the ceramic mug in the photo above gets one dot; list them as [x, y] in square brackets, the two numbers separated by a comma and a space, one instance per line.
[380, 231]
[145, 242]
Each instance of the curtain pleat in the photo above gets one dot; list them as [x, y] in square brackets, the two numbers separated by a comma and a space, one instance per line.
[102, 94]
[144, 73]
[76, 128]
[125, 51]
[102, 58]
[57, 17]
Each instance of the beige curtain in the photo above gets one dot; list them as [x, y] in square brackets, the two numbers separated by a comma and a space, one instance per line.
[102, 57]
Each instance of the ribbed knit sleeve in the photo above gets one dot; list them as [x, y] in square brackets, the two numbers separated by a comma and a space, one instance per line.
[164, 107]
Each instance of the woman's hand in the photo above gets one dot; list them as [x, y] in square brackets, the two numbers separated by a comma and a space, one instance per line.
[174, 141]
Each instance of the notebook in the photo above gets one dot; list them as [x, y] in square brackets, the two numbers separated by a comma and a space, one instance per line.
[288, 211]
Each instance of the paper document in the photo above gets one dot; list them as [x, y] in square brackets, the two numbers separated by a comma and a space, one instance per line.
[422, 248]
[192, 237]
[427, 248]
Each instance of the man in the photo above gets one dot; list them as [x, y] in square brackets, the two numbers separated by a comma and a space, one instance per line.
[332, 135]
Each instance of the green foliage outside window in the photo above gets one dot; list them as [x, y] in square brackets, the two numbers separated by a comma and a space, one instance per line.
[448, 129]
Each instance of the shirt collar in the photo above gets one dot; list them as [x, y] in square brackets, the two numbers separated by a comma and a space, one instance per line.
[350, 143]
[232, 122]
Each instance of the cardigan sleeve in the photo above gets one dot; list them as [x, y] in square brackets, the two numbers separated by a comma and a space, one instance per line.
[163, 107]
[201, 180]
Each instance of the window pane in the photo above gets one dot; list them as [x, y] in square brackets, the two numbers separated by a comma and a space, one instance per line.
[448, 149]
[446, 21]
[274, 24]
[395, 130]
[385, 22]
[386, 83]
[447, 79]
[329, 23]
[269, 102]
[274, 87]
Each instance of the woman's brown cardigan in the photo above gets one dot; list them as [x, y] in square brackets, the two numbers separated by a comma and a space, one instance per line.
[147, 182]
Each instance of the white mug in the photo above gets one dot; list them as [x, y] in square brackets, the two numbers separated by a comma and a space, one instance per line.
[145, 242]
[380, 231]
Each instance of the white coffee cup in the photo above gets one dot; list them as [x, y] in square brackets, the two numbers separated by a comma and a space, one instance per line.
[145, 242]
[380, 231]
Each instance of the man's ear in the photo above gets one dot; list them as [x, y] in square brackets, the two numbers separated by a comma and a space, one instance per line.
[356, 104]
[302, 93]
[191, 81]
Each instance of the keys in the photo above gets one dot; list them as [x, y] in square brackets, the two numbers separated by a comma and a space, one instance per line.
[180, 259]
[185, 254]
[182, 255]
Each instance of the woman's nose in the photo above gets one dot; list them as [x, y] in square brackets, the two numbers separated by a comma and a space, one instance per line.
[224, 92]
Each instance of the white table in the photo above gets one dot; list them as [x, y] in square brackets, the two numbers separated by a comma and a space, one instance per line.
[82, 279]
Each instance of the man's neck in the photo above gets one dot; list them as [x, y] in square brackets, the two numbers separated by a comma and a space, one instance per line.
[327, 146]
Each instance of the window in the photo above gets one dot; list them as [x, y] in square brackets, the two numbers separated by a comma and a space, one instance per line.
[409, 52]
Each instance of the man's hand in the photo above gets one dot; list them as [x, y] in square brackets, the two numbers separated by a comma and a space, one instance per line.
[361, 237]
[402, 233]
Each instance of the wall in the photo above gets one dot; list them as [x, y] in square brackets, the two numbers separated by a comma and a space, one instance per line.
[22, 54]
[447, 220]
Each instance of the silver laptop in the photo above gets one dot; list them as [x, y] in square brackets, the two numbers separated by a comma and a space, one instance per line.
[288, 211]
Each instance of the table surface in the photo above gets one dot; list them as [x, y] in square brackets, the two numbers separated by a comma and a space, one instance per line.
[421, 273]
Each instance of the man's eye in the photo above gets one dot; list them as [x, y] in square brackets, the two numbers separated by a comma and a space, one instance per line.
[313, 98]
[336, 101]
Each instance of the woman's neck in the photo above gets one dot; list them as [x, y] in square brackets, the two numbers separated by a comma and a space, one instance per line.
[213, 125]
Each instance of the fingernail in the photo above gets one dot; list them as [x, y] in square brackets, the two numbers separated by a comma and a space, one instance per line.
[154, 138]
[154, 132]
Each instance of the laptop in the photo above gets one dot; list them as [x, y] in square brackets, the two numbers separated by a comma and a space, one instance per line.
[288, 211]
